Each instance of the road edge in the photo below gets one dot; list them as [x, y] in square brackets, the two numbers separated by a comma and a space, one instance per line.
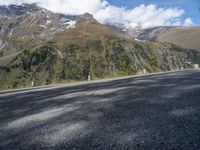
[88, 82]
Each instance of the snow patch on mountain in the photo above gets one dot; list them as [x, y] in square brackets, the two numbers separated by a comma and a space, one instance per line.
[70, 24]
[141, 40]
[48, 21]
[43, 26]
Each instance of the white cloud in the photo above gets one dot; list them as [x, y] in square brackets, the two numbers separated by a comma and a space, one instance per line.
[142, 16]
[74, 7]
[188, 22]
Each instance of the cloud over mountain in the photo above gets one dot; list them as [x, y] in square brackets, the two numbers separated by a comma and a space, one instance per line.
[143, 16]
[188, 22]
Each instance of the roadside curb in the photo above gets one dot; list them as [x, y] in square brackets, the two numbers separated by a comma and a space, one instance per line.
[88, 82]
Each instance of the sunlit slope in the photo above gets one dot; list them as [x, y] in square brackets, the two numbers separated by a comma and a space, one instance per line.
[86, 48]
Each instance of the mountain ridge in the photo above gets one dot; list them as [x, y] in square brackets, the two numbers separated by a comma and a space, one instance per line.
[186, 37]
[47, 48]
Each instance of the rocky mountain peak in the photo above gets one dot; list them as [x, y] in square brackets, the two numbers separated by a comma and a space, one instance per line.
[86, 17]
[18, 10]
[38, 44]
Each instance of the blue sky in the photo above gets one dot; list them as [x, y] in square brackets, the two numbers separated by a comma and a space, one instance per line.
[191, 7]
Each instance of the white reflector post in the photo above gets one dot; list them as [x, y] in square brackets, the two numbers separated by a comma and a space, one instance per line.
[89, 78]
[144, 71]
[196, 66]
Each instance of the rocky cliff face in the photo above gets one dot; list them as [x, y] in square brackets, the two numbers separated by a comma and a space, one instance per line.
[17, 10]
[24, 26]
[50, 48]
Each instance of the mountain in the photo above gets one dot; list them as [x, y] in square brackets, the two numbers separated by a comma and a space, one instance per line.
[24, 26]
[46, 48]
[17, 10]
[186, 37]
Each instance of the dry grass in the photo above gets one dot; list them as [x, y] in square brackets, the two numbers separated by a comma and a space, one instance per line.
[186, 37]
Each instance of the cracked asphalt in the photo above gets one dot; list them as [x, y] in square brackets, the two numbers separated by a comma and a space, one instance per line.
[153, 112]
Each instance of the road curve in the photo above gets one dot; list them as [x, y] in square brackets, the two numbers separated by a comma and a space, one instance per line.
[150, 113]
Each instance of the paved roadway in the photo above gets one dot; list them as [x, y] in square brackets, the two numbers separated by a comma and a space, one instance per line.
[151, 113]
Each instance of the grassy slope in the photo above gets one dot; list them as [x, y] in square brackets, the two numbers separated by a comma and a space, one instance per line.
[186, 37]
[90, 48]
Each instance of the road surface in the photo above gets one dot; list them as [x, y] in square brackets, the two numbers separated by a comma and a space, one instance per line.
[152, 112]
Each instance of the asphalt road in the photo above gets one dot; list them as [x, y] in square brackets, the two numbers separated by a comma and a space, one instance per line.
[154, 112]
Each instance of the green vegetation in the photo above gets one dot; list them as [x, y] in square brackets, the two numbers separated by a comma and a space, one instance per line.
[154, 62]
[89, 49]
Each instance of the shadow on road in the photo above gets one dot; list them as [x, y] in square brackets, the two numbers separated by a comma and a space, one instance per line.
[156, 112]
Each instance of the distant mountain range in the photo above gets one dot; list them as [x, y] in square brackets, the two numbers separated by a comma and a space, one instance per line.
[41, 46]
[186, 37]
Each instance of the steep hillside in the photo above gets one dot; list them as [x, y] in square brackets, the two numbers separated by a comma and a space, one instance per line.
[186, 37]
[24, 26]
[86, 48]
